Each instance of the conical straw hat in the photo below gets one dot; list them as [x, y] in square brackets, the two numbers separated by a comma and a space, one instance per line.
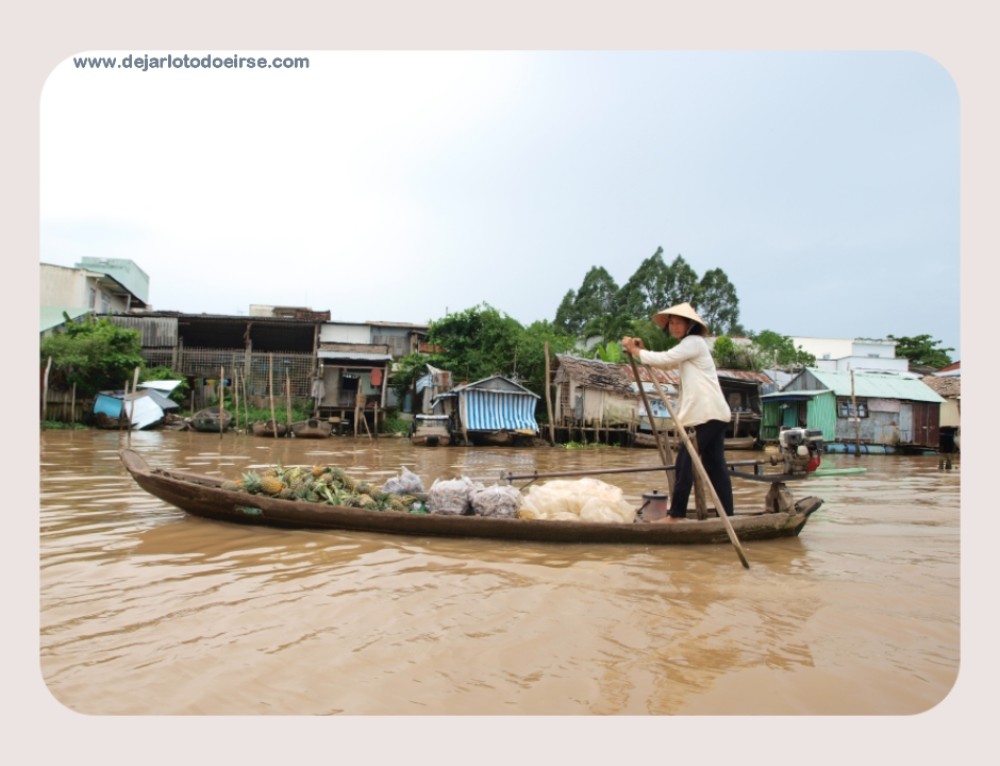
[685, 310]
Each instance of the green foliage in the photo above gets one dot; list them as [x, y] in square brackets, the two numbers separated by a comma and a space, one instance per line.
[600, 309]
[480, 342]
[771, 350]
[93, 354]
[585, 313]
[921, 351]
[610, 352]
[717, 302]
[406, 371]
[393, 424]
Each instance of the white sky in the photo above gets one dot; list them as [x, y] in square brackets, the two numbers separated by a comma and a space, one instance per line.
[399, 186]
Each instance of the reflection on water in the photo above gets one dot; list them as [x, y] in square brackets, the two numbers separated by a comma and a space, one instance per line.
[147, 611]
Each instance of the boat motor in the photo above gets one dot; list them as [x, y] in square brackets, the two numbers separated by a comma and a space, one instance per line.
[800, 449]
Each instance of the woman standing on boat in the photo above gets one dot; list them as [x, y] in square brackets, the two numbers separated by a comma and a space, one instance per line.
[702, 407]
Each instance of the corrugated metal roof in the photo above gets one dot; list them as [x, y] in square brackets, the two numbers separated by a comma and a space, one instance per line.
[497, 383]
[358, 356]
[750, 376]
[875, 385]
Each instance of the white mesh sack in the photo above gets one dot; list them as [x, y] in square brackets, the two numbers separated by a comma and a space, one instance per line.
[577, 500]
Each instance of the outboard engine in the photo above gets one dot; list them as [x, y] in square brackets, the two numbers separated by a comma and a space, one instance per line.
[800, 449]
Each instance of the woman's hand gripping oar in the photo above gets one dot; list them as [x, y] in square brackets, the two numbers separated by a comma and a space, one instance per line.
[699, 467]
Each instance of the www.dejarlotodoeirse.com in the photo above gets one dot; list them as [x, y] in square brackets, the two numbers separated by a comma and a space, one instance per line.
[144, 62]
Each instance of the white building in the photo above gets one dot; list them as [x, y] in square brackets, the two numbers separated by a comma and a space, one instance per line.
[846, 354]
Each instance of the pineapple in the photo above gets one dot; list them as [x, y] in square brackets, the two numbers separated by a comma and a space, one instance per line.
[251, 482]
[271, 484]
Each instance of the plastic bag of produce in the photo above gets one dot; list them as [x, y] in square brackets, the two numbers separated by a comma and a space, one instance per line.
[498, 501]
[579, 500]
[452, 496]
[407, 483]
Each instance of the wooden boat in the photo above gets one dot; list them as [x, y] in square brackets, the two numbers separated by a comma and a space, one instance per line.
[430, 431]
[205, 496]
[269, 428]
[209, 420]
[313, 428]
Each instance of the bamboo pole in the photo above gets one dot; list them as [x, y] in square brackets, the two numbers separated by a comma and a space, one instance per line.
[857, 420]
[45, 389]
[135, 385]
[236, 397]
[507, 476]
[270, 392]
[222, 401]
[246, 406]
[288, 401]
[548, 397]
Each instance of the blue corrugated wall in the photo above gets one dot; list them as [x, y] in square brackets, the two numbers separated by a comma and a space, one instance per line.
[499, 411]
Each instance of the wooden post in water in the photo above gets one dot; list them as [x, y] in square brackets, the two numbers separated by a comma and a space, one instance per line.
[222, 400]
[45, 389]
[857, 420]
[548, 397]
[270, 392]
[131, 413]
[236, 397]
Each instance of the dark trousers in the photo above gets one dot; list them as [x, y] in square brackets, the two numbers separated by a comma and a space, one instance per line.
[711, 440]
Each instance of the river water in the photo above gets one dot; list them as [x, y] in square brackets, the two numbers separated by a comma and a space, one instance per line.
[145, 611]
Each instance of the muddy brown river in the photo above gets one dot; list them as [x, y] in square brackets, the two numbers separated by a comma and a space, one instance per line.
[146, 611]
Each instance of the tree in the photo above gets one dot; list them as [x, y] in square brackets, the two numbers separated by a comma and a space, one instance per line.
[717, 302]
[93, 354]
[647, 290]
[567, 319]
[591, 310]
[776, 351]
[921, 351]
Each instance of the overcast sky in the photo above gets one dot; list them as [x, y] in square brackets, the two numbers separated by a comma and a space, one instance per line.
[401, 186]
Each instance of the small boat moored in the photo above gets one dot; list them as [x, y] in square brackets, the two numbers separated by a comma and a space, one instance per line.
[209, 420]
[269, 428]
[430, 431]
[312, 428]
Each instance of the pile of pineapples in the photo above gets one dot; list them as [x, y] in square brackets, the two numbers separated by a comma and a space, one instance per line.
[323, 484]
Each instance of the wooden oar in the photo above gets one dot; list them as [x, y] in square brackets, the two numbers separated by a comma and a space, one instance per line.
[700, 468]
[535, 475]
[666, 454]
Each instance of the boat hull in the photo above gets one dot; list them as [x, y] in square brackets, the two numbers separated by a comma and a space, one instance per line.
[313, 428]
[205, 496]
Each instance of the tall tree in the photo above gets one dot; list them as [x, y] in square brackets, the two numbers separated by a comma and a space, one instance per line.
[567, 319]
[921, 351]
[776, 351]
[683, 283]
[717, 302]
[647, 290]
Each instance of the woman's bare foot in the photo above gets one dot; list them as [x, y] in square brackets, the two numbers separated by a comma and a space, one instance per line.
[670, 520]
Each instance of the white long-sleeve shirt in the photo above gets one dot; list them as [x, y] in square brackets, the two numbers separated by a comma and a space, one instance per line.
[701, 398]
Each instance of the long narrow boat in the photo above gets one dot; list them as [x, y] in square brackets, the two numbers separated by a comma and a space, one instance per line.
[206, 496]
